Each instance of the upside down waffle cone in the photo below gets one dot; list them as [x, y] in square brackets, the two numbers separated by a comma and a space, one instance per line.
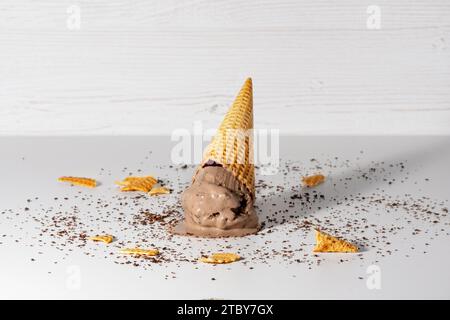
[232, 146]
[219, 203]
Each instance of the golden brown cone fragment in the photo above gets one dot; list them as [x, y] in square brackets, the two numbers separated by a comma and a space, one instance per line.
[79, 181]
[328, 243]
[220, 258]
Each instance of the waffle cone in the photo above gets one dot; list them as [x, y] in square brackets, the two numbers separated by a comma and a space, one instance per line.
[232, 146]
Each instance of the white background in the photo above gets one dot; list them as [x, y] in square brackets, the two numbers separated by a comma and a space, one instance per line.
[147, 67]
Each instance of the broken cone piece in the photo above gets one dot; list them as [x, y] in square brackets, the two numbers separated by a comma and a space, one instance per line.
[102, 238]
[328, 243]
[158, 191]
[79, 181]
[140, 252]
[221, 258]
[312, 181]
[144, 184]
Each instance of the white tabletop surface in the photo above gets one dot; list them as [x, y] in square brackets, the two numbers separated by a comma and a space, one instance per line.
[413, 262]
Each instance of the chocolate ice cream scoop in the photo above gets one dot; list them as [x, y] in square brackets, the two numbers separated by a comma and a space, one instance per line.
[212, 201]
[217, 205]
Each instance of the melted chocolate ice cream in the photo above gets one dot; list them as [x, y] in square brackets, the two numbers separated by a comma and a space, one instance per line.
[217, 205]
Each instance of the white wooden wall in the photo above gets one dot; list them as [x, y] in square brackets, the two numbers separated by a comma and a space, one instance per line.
[148, 67]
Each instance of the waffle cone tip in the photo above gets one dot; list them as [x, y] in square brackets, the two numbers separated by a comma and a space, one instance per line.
[232, 146]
